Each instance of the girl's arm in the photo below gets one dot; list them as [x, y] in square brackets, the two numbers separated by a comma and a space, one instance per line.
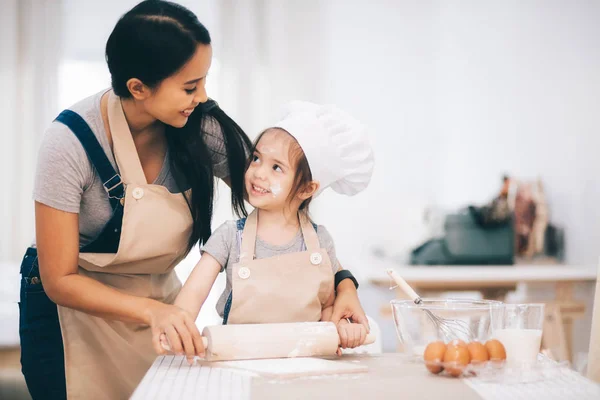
[197, 287]
[215, 253]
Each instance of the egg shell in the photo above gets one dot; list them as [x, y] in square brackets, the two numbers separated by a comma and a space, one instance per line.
[496, 350]
[478, 352]
[456, 359]
[457, 342]
[433, 356]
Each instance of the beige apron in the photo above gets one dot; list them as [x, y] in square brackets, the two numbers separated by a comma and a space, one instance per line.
[288, 288]
[106, 359]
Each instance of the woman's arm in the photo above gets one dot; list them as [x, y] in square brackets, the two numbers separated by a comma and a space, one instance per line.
[327, 310]
[347, 304]
[351, 335]
[57, 238]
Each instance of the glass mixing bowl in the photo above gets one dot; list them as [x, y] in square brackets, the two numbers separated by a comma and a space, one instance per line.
[417, 325]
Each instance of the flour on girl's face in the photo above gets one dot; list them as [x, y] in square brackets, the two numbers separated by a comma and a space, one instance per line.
[270, 175]
[275, 188]
[267, 150]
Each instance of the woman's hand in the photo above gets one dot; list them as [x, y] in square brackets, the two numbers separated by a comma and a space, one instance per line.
[164, 343]
[348, 306]
[179, 328]
[351, 335]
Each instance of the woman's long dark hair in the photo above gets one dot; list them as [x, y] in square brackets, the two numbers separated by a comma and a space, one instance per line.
[151, 42]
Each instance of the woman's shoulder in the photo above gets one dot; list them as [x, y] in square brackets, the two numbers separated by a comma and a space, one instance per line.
[60, 135]
[89, 105]
[60, 149]
[89, 110]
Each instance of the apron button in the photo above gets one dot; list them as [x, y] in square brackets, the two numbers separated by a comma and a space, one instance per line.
[244, 273]
[316, 258]
[138, 193]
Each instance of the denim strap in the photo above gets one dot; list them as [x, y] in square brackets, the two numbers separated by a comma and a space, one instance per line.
[111, 179]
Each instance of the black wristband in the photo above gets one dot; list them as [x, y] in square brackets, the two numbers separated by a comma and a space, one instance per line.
[344, 274]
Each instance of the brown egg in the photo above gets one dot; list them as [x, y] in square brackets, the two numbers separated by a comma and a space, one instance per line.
[495, 350]
[478, 352]
[433, 356]
[457, 342]
[456, 358]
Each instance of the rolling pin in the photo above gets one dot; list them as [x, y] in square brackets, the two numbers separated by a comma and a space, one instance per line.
[256, 341]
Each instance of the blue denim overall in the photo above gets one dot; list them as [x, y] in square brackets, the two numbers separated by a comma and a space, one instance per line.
[42, 353]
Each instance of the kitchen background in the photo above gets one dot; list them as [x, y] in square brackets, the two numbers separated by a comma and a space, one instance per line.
[456, 94]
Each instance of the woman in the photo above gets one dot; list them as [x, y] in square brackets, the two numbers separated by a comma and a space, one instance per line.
[124, 190]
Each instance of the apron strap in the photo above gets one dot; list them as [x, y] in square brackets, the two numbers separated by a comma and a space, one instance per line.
[111, 180]
[124, 149]
[311, 240]
[249, 237]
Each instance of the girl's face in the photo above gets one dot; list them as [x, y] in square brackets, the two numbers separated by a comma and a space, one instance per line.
[270, 176]
[175, 98]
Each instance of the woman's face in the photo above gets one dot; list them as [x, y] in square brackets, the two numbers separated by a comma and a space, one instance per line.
[175, 98]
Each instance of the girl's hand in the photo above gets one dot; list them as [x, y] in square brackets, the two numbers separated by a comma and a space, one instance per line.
[351, 335]
[177, 329]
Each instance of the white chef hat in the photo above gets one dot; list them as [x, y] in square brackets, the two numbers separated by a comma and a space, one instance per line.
[336, 145]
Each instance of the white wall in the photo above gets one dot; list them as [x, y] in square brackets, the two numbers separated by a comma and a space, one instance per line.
[457, 93]
[380, 68]
[8, 67]
[520, 81]
[29, 50]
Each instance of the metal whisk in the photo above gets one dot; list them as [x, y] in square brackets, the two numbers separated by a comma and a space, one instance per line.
[450, 328]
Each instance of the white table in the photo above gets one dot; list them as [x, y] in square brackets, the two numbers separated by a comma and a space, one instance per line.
[390, 376]
[479, 277]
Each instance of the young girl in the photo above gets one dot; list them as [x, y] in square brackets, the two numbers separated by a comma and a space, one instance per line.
[280, 266]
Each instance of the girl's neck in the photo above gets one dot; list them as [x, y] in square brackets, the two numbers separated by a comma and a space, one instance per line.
[277, 227]
[279, 218]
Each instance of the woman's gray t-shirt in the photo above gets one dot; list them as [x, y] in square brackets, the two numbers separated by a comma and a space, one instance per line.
[65, 178]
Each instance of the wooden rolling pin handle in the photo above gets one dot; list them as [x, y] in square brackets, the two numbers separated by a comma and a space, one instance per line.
[370, 339]
[404, 286]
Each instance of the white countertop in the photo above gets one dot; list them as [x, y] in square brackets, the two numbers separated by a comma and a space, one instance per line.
[389, 376]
